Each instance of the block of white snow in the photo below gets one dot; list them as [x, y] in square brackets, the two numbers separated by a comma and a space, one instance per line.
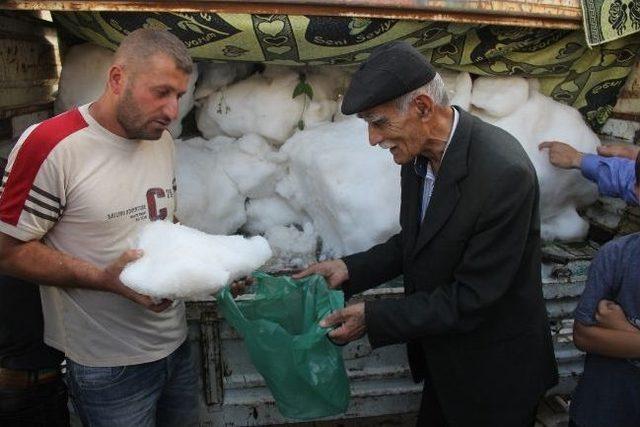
[458, 85]
[83, 77]
[350, 190]
[263, 104]
[207, 198]
[267, 212]
[515, 105]
[214, 75]
[182, 263]
[292, 248]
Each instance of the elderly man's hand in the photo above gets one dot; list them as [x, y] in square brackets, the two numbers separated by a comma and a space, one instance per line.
[611, 316]
[349, 321]
[335, 271]
[619, 150]
[562, 155]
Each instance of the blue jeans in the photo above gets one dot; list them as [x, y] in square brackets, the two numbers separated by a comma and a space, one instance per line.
[162, 393]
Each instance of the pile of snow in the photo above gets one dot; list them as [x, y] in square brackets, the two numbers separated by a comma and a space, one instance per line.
[323, 191]
[83, 77]
[266, 213]
[264, 104]
[458, 85]
[182, 263]
[324, 182]
[515, 105]
[216, 177]
[207, 198]
[350, 190]
[214, 76]
[292, 248]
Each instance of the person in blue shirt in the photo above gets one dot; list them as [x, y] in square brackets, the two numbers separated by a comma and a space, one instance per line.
[613, 169]
[606, 327]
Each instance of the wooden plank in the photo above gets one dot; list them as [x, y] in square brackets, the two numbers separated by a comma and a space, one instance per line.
[562, 14]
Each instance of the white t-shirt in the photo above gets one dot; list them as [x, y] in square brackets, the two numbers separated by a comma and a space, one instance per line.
[86, 192]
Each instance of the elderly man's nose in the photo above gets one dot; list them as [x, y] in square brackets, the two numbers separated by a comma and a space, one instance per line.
[375, 137]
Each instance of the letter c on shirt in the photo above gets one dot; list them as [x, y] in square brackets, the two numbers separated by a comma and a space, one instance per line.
[152, 195]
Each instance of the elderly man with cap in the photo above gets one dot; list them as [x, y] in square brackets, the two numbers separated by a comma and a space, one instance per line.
[473, 316]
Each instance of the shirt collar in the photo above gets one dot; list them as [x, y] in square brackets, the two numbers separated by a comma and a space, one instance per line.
[421, 164]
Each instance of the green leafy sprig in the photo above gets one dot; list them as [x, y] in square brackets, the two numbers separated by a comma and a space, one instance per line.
[303, 88]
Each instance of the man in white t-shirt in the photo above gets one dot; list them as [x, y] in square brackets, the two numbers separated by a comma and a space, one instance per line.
[76, 189]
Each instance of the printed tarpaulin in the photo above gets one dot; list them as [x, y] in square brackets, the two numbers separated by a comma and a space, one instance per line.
[569, 72]
[606, 20]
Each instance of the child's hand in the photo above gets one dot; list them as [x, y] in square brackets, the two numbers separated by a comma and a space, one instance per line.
[611, 316]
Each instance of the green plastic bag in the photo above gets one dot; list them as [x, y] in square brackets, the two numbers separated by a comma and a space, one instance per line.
[303, 369]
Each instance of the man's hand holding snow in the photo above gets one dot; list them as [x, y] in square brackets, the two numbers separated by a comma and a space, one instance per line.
[112, 283]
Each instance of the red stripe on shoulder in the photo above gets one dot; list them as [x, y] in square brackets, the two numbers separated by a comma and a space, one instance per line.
[33, 152]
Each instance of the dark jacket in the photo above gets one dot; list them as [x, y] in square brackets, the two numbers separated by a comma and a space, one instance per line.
[473, 315]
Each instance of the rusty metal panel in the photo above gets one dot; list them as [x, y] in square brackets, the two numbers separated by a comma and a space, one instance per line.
[610, 217]
[565, 267]
[29, 61]
[565, 14]
[628, 105]
[211, 359]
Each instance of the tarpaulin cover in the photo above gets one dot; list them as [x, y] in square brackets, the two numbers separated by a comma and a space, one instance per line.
[569, 72]
[606, 20]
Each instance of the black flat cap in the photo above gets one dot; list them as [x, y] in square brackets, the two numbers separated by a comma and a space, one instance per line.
[392, 70]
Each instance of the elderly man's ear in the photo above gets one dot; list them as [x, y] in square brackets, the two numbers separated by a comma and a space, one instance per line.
[424, 104]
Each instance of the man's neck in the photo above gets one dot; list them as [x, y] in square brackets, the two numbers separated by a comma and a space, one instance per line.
[104, 113]
[440, 133]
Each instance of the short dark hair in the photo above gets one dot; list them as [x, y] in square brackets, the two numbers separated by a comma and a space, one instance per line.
[638, 170]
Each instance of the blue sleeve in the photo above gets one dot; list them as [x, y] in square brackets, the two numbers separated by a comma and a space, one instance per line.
[600, 284]
[615, 176]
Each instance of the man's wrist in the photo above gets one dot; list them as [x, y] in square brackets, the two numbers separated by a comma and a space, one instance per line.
[101, 280]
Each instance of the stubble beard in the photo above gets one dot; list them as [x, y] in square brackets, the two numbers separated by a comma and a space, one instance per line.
[131, 119]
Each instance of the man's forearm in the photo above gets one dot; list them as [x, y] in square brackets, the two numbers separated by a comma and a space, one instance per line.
[607, 342]
[35, 262]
